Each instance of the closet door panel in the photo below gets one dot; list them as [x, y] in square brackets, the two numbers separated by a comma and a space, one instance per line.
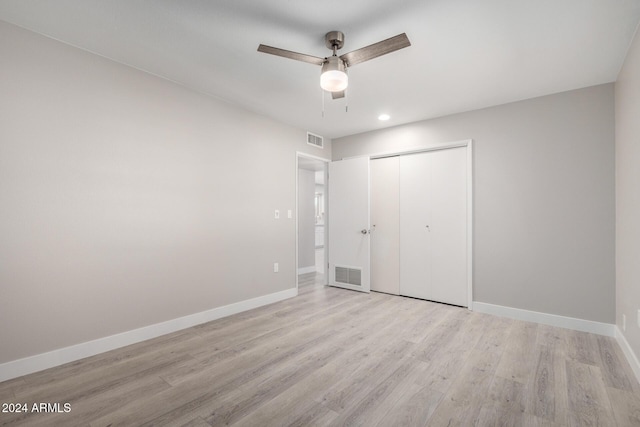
[415, 229]
[448, 237]
[385, 225]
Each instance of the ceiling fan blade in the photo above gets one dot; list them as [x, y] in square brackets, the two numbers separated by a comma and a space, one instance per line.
[291, 55]
[336, 95]
[377, 49]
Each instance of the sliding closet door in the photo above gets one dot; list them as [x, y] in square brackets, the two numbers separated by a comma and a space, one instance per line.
[385, 225]
[449, 226]
[433, 225]
[415, 226]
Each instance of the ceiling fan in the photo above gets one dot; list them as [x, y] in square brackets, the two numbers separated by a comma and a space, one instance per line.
[334, 77]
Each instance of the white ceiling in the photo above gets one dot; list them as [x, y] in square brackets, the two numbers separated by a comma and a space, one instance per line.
[465, 54]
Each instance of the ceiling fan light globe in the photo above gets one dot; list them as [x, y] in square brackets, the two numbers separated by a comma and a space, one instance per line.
[334, 81]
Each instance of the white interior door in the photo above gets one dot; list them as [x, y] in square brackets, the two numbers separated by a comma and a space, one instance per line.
[349, 230]
[433, 225]
[385, 225]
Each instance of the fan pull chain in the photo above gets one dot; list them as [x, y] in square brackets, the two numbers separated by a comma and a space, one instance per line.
[346, 101]
[322, 95]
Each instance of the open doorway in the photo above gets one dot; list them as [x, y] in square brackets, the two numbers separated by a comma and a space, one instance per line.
[311, 219]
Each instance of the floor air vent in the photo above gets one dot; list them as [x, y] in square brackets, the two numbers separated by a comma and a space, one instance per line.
[315, 140]
[351, 276]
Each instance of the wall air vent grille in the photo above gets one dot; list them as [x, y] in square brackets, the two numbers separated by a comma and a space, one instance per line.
[350, 276]
[315, 140]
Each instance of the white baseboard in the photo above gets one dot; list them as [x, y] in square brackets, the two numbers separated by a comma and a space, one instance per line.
[547, 319]
[39, 362]
[628, 352]
[305, 270]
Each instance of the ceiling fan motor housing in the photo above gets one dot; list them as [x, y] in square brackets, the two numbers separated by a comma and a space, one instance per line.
[334, 39]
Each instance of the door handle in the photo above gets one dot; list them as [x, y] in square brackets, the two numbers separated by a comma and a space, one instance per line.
[364, 231]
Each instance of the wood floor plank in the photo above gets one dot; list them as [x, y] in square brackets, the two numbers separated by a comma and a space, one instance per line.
[447, 359]
[553, 338]
[196, 422]
[7, 387]
[615, 373]
[465, 398]
[444, 332]
[355, 385]
[337, 357]
[507, 395]
[541, 396]
[318, 416]
[413, 407]
[379, 400]
[494, 339]
[588, 400]
[6, 395]
[560, 388]
[422, 325]
[582, 347]
[519, 358]
[496, 416]
[625, 406]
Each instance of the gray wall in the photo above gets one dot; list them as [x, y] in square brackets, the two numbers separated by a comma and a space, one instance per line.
[544, 198]
[127, 200]
[306, 218]
[628, 195]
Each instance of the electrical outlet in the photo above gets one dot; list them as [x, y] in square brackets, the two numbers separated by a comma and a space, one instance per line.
[624, 323]
[275, 267]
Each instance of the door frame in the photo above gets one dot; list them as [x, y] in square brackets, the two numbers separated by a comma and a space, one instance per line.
[468, 143]
[300, 154]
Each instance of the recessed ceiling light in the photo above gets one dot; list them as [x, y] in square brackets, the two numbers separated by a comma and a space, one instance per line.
[384, 117]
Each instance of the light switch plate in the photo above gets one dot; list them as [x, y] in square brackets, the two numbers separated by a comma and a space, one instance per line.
[289, 214]
[276, 267]
[276, 215]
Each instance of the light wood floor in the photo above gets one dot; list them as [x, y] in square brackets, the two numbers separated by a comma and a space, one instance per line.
[336, 357]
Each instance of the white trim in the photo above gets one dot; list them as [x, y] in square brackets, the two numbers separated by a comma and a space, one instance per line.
[39, 362]
[311, 156]
[599, 328]
[305, 270]
[628, 352]
[297, 177]
[434, 147]
[469, 146]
